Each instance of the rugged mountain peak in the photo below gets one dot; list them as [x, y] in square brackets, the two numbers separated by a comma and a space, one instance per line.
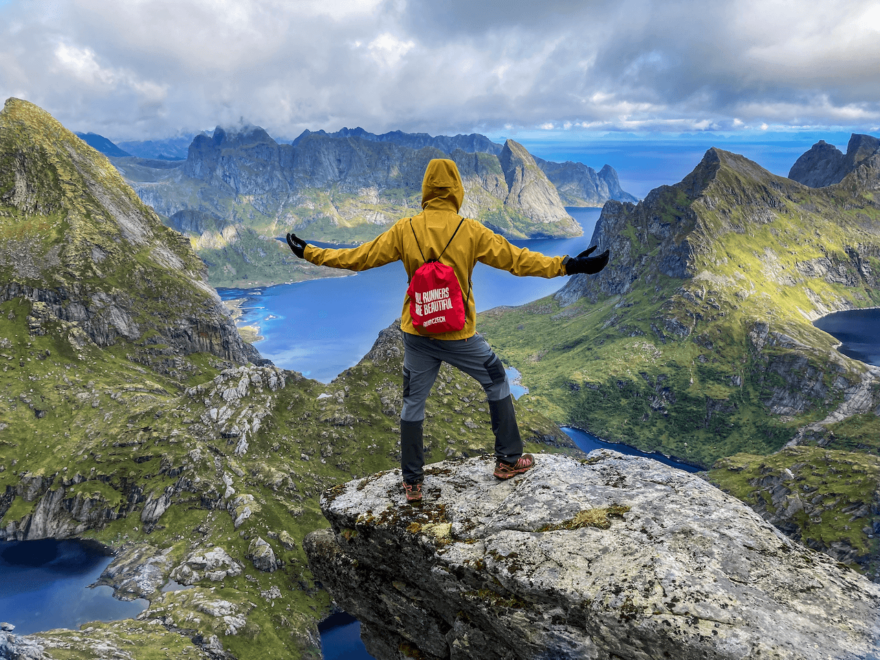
[241, 136]
[819, 166]
[597, 558]
[580, 185]
[859, 148]
[85, 250]
[664, 234]
[529, 190]
[824, 164]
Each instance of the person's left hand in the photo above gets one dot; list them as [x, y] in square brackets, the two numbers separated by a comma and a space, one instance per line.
[298, 245]
[584, 263]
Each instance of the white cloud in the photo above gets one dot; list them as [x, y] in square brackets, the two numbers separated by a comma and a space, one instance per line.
[149, 68]
[388, 50]
[81, 63]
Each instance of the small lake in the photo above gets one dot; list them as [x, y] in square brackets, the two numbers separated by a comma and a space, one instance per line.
[858, 330]
[45, 585]
[322, 327]
[341, 638]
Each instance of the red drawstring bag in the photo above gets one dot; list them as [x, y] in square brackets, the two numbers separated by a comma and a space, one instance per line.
[435, 301]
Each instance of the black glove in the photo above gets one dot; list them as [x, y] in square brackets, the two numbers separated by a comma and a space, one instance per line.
[584, 263]
[298, 245]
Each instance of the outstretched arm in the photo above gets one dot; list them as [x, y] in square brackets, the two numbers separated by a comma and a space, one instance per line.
[496, 251]
[380, 251]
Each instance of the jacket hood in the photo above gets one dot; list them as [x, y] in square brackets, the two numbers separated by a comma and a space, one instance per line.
[442, 182]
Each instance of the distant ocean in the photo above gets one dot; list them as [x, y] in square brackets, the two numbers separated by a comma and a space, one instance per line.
[644, 163]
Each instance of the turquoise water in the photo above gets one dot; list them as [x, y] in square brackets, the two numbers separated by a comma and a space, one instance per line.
[322, 327]
[44, 585]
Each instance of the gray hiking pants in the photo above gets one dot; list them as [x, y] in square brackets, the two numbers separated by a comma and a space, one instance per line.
[421, 363]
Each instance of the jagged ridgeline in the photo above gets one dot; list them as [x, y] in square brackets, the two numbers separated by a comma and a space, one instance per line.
[343, 189]
[129, 415]
[240, 189]
[697, 339]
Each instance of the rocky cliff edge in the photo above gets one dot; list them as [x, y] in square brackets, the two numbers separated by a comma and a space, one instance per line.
[609, 557]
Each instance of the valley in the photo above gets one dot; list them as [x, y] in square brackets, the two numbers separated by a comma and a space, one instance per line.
[133, 414]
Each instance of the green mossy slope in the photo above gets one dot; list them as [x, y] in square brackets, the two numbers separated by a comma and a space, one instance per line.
[697, 339]
[826, 499]
[111, 439]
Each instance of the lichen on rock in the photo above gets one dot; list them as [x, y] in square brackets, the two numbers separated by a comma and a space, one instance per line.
[616, 556]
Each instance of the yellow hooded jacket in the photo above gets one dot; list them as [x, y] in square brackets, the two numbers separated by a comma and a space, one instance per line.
[442, 196]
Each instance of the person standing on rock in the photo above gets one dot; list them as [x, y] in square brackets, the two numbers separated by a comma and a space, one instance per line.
[439, 320]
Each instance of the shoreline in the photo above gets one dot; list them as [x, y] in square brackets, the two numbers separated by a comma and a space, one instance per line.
[249, 333]
[837, 346]
[623, 444]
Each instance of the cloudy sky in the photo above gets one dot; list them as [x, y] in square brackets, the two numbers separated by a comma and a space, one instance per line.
[136, 69]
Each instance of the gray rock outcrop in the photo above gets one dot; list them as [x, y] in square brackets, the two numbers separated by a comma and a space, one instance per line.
[610, 557]
[824, 164]
[138, 571]
[529, 190]
[262, 555]
[16, 647]
[214, 564]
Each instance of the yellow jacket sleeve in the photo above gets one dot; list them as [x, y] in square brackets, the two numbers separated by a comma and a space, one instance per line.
[382, 250]
[496, 251]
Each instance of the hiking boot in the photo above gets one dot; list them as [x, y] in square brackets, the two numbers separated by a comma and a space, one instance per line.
[413, 492]
[507, 470]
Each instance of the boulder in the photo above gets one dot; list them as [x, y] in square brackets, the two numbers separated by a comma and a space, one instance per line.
[609, 557]
[138, 571]
[16, 647]
[262, 555]
[287, 540]
[214, 564]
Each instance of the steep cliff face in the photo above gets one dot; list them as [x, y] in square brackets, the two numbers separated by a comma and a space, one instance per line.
[701, 323]
[609, 557]
[529, 190]
[824, 164]
[344, 189]
[580, 185]
[79, 244]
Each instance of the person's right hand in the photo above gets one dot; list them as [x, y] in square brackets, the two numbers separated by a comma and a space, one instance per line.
[298, 245]
[584, 263]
